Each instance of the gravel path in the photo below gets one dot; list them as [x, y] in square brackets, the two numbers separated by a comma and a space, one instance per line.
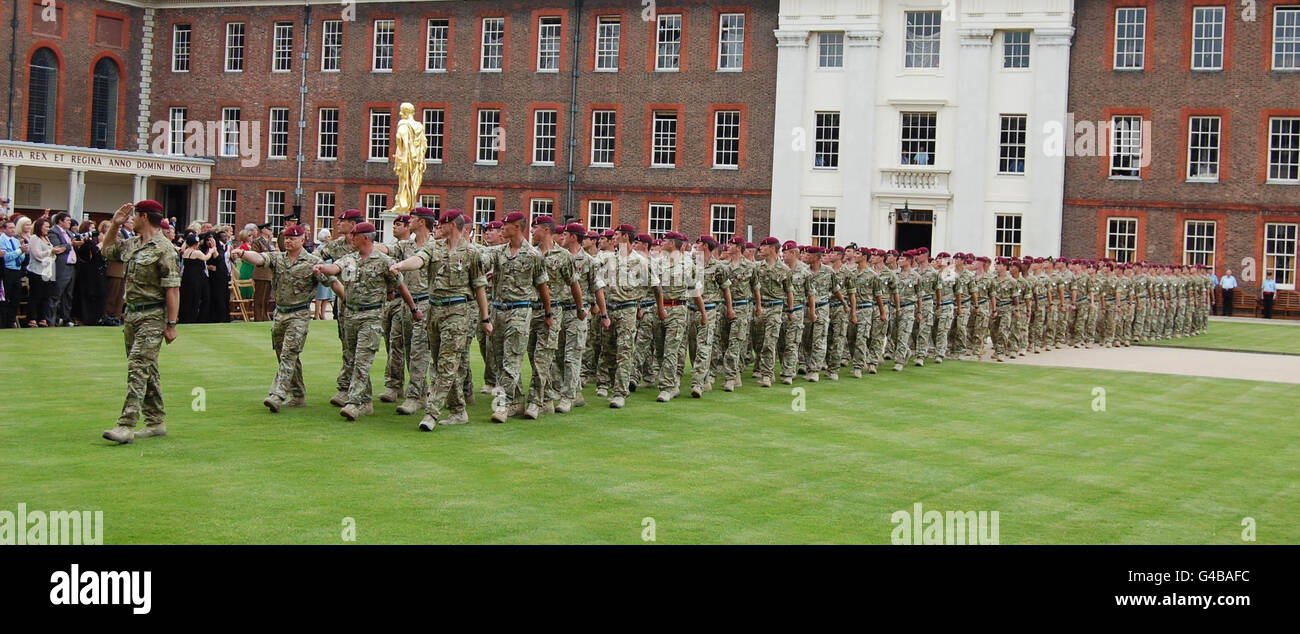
[1209, 363]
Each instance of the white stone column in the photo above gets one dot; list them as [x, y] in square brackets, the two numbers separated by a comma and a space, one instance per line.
[788, 165]
[1041, 233]
[11, 185]
[201, 196]
[140, 188]
[966, 228]
[76, 180]
[857, 135]
[4, 184]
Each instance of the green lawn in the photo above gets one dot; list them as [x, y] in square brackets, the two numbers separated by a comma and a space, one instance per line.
[1171, 459]
[1247, 337]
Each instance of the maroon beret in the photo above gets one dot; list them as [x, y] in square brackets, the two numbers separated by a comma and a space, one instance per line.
[424, 212]
[514, 216]
[626, 228]
[449, 216]
[640, 237]
[576, 229]
[404, 219]
[770, 240]
[789, 244]
[708, 241]
[165, 224]
[495, 224]
[353, 214]
[838, 249]
[592, 234]
[294, 232]
[750, 245]
[943, 254]
[608, 233]
[149, 207]
[737, 240]
[364, 227]
[544, 220]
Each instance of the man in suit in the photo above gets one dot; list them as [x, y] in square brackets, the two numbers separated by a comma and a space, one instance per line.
[65, 267]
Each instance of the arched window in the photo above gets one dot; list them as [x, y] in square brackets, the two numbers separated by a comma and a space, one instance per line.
[103, 108]
[42, 95]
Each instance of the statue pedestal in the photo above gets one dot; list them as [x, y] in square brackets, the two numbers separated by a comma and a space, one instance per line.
[386, 219]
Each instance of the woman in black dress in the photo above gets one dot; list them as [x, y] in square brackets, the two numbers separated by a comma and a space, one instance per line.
[218, 281]
[92, 275]
[194, 280]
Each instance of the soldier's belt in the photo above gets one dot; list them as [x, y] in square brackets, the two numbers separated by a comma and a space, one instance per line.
[1000, 304]
[569, 305]
[135, 308]
[1042, 297]
[739, 302]
[867, 305]
[448, 301]
[946, 302]
[419, 298]
[926, 298]
[361, 307]
[797, 308]
[284, 310]
[623, 306]
[647, 304]
[906, 304]
[1110, 299]
[836, 304]
[984, 300]
[707, 306]
[512, 305]
[823, 303]
[772, 302]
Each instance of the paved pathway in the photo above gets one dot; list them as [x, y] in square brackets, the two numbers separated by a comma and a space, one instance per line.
[1209, 363]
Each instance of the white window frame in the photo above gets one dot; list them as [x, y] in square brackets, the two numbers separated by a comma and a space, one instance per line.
[1135, 34]
[275, 207]
[664, 138]
[921, 122]
[1209, 28]
[380, 134]
[731, 52]
[277, 132]
[657, 224]
[550, 41]
[605, 213]
[1199, 239]
[383, 45]
[230, 132]
[331, 46]
[492, 52]
[725, 147]
[668, 50]
[1286, 36]
[1115, 250]
[544, 143]
[830, 50]
[234, 51]
[1008, 235]
[1282, 234]
[609, 32]
[541, 207]
[1284, 143]
[434, 134]
[322, 135]
[1017, 55]
[437, 36]
[176, 130]
[432, 201]
[227, 206]
[485, 210]
[826, 140]
[324, 220]
[921, 48]
[282, 47]
[181, 47]
[489, 126]
[1125, 141]
[376, 204]
[723, 216]
[1013, 144]
[598, 139]
[823, 226]
[1204, 139]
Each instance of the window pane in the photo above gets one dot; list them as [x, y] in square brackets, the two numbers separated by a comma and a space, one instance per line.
[922, 39]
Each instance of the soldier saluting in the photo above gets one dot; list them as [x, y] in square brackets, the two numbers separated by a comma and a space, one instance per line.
[152, 284]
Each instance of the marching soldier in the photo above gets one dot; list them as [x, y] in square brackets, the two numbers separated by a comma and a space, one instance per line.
[1006, 297]
[364, 282]
[573, 327]
[454, 278]
[885, 291]
[519, 281]
[397, 321]
[293, 285]
[947, 294]
[701, 335]
[822, 289]
[680, 282]
[844, 264]
[492, 240]
[928, 290]
[909, 313]
[776, 306]
[792, 330]
[334, 250]
[746, 302]
[628, 275]
[863, 310]
[544, 330]
[415, 338]
[152, 281]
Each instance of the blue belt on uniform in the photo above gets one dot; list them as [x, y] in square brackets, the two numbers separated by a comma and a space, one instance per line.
[739, 302]
[284, 310]
[707, 306]
[570, 305]
[419, 298]
[646, 304]
[1042, 297]
[797, 308]
[905, 304]
[984, 300]
[364, 307]
[946, 302]
[867, 305]
[1006, 303]
[1110, 299]
[836, 303]
[927, 298]
[623, 306]
[823, 303]
[772, 302]
[450, 301]
[135, 308]
[511, 305]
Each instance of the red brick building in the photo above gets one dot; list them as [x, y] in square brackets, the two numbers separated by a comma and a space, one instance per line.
[671, 113]
[1187, 134]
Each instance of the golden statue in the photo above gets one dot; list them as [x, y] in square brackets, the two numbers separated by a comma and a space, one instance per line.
[408, 160]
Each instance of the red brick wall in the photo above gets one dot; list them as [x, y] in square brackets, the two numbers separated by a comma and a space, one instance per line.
[206, 88]
[1243, 94]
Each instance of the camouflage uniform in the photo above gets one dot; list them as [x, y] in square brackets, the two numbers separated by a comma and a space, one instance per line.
[701, 340]
[628, 278]
[926, 289]
[1081, 285]
[515, 277]
[947, 287]
[491, 364]
[1021, 326]
[397, 324]
[333, 251]
[839, 346]
[1007, 292]
[294, 286]
[451, 279]
[1065, 314]
[821, 285]
[366, 283]
[774, 281]
[908, 287]
[1042, 289]
[744, 281]
[981, 321]
[595, 331]
[414, 341]
[962, 288]
[680, 281]
[151, 268]
[543, 340]
[568, 368]
[883, 287]
[868, 311]
[792, 330]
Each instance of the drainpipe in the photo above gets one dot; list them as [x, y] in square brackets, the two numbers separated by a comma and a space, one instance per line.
[573, 105]
[13, 66]
[302, 105]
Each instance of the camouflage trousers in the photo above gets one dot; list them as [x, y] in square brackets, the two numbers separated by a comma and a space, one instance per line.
[791, 337]
[674, 348]
[701, 342]
[718, 325]
[345, 374]
[959, 339]
[923, 331]
[906, 322]
[755, 347]
[1141, 317]
[879, 333]
[591, 351]
[770, 323]
[943, 328]
[838, 345]
[1180, 319]
[571, 354]
[510, 334]
[1109, 320]
[397, 342]
[980, 328]
[1061, 327]
[1021, 332]
[860, 346]
[143, 331]
[447, 331]
[485, 350]
[813, 344]
[543, 343]
[1003, 332]
[1125, 333]
[1038, 324]
[1079, 327]
[738, 341]
[363, 333]
[288, 334]
[616, 350]
[649, 345]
